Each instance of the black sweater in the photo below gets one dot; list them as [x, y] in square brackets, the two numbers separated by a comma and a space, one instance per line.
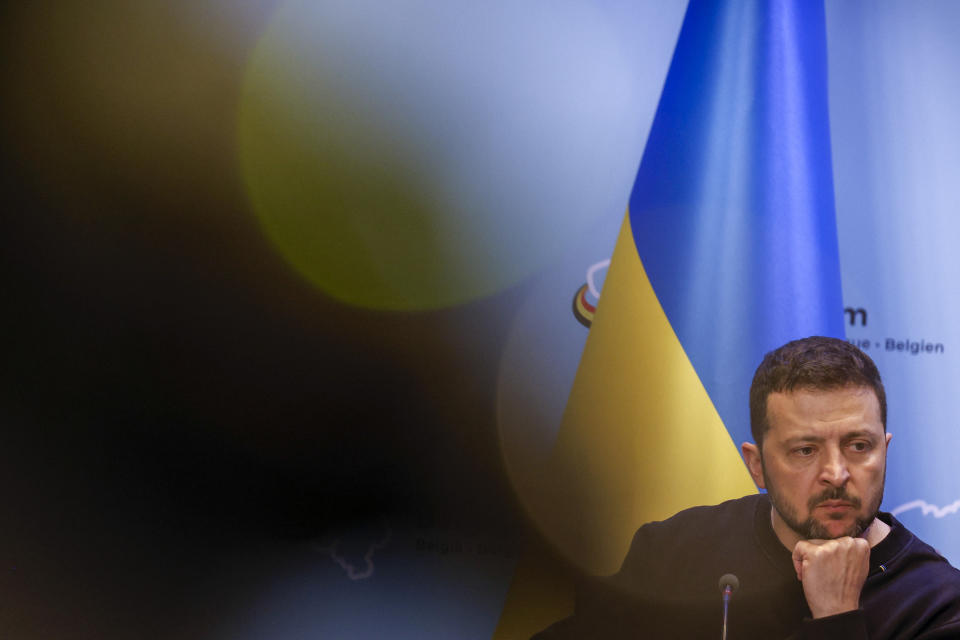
[667, 586]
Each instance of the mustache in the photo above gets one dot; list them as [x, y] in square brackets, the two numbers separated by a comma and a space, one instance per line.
[835, 493]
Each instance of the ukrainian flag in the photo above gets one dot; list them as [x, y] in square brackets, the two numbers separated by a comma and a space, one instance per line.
[728, 250]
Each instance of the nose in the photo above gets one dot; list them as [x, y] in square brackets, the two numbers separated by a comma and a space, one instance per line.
[834, 471]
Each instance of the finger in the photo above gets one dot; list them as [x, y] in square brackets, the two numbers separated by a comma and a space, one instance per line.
[799, 552]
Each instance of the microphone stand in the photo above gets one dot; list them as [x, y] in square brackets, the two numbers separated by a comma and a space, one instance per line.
[728, 584]
[727, 591]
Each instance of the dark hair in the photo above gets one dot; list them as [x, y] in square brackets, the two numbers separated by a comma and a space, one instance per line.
[811, 363]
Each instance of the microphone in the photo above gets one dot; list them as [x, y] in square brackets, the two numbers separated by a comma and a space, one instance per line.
[728, 584]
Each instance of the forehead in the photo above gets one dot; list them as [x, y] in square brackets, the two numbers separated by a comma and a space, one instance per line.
[823, 411]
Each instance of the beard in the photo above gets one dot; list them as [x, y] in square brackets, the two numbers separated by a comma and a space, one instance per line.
[811, 528]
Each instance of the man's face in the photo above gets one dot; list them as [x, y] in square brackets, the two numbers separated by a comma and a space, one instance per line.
[823, 462]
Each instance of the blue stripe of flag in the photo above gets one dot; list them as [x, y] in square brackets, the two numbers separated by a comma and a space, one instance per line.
[732, 210]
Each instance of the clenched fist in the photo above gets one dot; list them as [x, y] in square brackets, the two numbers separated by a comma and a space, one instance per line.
[832, 573]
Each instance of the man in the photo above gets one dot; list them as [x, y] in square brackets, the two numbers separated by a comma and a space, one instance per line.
[814, 557]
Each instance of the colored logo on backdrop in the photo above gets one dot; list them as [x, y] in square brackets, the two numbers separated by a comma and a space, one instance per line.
[586, 298]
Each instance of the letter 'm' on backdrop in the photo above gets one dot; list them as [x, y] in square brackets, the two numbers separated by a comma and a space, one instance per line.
[729, 249]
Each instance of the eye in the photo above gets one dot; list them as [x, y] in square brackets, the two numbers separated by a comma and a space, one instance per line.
[860, 446]
[804, 451]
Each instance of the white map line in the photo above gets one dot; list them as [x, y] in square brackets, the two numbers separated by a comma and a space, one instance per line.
[591, 271]
[928, 509]
[351, 570]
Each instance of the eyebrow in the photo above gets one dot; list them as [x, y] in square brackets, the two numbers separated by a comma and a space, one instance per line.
[850, 435]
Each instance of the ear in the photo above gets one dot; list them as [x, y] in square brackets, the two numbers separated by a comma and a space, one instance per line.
[751, 455]
[889, 436]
